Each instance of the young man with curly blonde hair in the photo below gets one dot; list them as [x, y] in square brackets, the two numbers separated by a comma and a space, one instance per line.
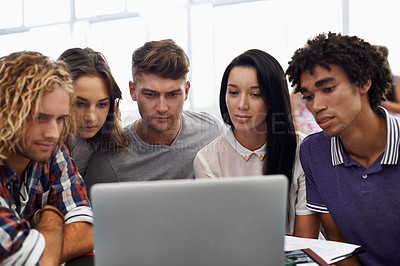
[45, 215]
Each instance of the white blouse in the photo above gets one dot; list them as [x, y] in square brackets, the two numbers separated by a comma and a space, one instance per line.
[226, 157]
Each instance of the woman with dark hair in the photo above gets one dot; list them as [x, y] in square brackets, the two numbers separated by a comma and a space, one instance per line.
[255, 103]
[97, 106]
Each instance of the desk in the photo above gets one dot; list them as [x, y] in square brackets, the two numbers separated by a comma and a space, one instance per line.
[324, 248]
[88, 260]
[85, 260]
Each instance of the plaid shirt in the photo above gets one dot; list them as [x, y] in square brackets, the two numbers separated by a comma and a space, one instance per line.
[56, 182]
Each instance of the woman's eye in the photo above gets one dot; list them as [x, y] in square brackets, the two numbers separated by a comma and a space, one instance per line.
[102, 105]
[80, 104]
[230, 92]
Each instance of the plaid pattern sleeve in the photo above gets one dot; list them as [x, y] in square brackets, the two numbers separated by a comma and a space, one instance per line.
[56, 182]
[19, 244]
[68, 191]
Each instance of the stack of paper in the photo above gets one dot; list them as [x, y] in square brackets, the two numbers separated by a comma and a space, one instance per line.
[329, 251]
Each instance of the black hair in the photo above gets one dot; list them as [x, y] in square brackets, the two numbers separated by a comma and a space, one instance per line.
[360, 60]
[281, 138]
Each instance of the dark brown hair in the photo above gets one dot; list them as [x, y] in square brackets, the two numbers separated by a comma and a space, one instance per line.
[86, 61]
[163, 58]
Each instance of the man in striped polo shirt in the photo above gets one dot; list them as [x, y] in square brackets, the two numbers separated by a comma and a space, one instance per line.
[352, 167]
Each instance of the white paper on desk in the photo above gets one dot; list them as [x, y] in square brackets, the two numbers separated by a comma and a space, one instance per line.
[326, 249]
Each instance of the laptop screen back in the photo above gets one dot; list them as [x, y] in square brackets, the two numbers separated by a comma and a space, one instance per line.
[228, 221]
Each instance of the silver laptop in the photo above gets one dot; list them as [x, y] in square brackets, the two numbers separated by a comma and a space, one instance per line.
[228, 221]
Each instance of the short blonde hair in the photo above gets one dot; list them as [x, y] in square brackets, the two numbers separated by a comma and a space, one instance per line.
[24, 78]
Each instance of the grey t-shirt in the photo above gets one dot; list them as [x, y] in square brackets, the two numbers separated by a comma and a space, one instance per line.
[81, 150]
[141, 161]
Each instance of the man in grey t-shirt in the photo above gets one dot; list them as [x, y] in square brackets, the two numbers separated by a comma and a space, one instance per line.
[165, 140]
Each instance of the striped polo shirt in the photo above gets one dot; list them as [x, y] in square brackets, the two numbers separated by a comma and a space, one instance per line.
[363, 202]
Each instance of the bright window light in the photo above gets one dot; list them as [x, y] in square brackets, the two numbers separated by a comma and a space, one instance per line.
[10, 14]
[42, 12]
[89, 8]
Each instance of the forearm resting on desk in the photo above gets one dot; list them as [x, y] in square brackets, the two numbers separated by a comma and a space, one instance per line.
[307, 226]
[333, 233]
[78, 240]
[51, 226]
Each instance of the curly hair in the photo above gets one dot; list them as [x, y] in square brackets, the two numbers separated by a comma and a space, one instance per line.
[86, 61]
[163, 58]
[356, 57]
[24, 78]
